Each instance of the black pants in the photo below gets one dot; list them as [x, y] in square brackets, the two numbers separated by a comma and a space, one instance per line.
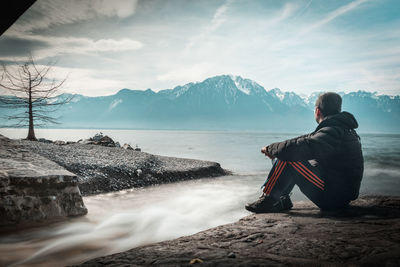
[308, 176]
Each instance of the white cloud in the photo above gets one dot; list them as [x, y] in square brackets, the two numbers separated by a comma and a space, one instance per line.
[119, 8]
[89, 82]
[218, 19]
[285, 45]
[76, 46]
[185, 74]
[219, 16]
[334, 14]
[287, 11]
[124, 44]
[83, 81]
[45, 13]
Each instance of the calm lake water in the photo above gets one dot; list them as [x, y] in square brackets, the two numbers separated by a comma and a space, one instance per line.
[126, 219]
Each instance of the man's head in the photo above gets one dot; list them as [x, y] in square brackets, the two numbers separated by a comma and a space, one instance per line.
[327, 104]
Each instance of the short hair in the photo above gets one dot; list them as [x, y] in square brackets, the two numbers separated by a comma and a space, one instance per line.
[329, 103]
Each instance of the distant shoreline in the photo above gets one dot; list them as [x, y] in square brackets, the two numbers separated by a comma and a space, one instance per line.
[190, 130]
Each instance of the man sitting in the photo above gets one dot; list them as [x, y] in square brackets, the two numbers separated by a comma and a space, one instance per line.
[327, 164]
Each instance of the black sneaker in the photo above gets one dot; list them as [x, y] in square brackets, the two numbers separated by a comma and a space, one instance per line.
[266, 204]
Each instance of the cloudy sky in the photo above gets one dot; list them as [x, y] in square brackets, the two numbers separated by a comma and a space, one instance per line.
[301, 45]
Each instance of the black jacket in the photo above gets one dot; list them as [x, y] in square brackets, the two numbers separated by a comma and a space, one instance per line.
[336, 146]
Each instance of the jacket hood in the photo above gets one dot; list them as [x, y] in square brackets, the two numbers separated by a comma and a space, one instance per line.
[343, 119]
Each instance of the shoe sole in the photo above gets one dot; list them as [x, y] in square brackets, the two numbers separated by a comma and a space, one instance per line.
[267, 211]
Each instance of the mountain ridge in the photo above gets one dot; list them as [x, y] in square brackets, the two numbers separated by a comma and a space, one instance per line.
[224, 102]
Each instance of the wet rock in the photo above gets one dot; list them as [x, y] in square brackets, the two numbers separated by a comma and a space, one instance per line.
[97, 137]
[232, 255]
[43, 140]
[366, 234]
[127, 146]
[105, 141]
[87, 142]
[33, 188]
[60, 142]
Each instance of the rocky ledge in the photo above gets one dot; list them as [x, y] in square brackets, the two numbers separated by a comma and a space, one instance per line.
[368, 233]
[104, 169]
[33, 188]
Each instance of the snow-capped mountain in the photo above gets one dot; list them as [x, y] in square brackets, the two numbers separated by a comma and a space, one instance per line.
[222, 102]
[289, 98]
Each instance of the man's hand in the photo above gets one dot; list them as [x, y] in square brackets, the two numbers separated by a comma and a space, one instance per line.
[264, 150]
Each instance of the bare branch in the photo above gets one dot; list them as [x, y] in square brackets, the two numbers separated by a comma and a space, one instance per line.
[18, 117]
[40, 74]
[21, 79]
[16, 125]
[40, 97]
[38, 79]
[5, 70]
[9, 81]
[12, 102]
[19, 120]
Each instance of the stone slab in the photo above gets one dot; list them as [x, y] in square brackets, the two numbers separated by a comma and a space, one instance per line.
[33, 188]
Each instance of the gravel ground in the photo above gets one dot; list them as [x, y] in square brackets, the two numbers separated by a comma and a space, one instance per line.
[105, 169]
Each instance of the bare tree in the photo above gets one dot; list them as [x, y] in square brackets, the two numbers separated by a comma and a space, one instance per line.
[34, 94]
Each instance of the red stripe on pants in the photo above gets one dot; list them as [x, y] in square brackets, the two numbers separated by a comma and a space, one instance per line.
[272, 176]
[305, 175]
[320, 182]
[276, 178]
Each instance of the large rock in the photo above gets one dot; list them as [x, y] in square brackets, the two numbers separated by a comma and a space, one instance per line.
[106, 141]
[367, 234]
[127, 146]
[33, 188]
[97, 137]
[100, 139]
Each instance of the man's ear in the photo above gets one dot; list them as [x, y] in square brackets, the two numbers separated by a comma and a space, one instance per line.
[317, 111]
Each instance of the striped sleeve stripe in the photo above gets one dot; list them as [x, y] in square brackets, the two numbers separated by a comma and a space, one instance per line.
[276, 177]
[307, 177]
[272, 177]
[310, 172]
[311, 177]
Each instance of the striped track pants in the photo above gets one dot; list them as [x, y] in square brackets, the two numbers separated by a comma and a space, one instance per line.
[285, 174]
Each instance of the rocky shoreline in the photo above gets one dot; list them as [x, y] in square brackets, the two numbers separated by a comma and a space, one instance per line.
[366, 234]
[34, 189]
[105, 168]
[41, 182]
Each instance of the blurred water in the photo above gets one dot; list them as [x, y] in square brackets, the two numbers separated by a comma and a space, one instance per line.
[122, 220]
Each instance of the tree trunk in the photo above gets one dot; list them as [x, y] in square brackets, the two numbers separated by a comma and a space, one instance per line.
[31, 132]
